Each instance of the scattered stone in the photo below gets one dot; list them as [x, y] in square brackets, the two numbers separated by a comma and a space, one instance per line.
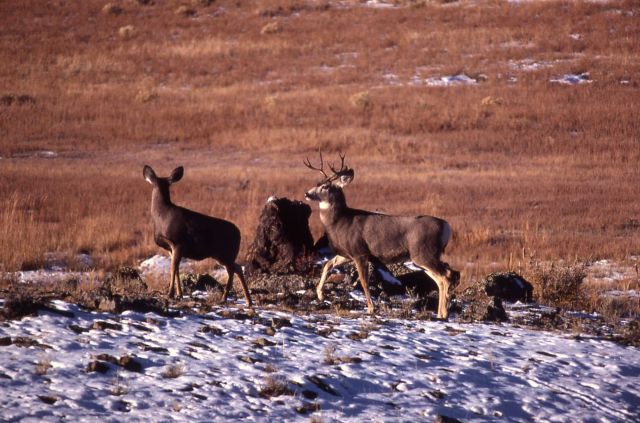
[97, 366]
[283, 243]
[445, 419]
[185, 11]
[247, 359]
[140, 327]
[270, 331]
[77, 329]
[214, 330]
[437, 394]
[26, 342]
[199, 396]
[262, 342]
[108, 358]
[201, 282]
[5, 340]
[277, 322]
[159, 350]
[3, 375]
[103, 325]
[130, 364]
[112, 9]
[308, 407]
[237, 315]
[322, 385]
[48, 399]
[271, 28]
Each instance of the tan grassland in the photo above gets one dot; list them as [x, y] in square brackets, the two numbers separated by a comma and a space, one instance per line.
[240, 92]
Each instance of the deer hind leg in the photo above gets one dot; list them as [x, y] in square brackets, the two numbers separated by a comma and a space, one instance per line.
[336, 261]
[440, 274]
[227, 288]
[245, 288]
[363, 273]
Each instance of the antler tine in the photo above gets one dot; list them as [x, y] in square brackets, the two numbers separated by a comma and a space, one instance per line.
[342, 166]
[308, 164]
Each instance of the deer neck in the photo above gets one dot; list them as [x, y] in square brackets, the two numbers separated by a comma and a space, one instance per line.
[160, 200]
[331, 212]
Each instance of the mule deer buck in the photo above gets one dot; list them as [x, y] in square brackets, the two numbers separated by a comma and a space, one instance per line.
[186, 233]
[362, 236]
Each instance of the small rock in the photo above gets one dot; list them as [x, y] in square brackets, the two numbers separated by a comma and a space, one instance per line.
[277, 322]
[48, 399]
[130, 364]
[308, 407]
[211, 329]
[5, 340]
[102, 325]
[262, 342]
[76, 329]
[445, 419]
[108, 358]
[270, 331]
[97, 366]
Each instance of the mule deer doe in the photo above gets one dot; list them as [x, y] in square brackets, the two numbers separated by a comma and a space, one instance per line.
[361, 236]
[192, 235]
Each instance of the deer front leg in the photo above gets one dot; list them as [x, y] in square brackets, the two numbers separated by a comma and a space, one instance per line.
[336, 261]
[363, 273]
[176, 256]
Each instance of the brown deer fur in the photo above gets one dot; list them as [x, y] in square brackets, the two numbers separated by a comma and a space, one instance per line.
[186, 233]
[360, 236]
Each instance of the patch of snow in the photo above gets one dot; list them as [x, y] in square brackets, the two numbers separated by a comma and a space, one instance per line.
[402, 370]
[572, 79]
[44, 276]
[411, 266]
[388, 277]
[449, 81]
[529, 65]
[391, 78]
[379, 4]
[632, 293]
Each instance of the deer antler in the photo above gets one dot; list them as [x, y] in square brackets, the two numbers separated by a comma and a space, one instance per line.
[308, 164]
[342, 166]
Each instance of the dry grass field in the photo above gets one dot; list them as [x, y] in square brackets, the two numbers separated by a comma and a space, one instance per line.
[240, 92]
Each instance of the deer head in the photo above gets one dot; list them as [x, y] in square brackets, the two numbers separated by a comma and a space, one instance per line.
[329, 190]
[162, 184]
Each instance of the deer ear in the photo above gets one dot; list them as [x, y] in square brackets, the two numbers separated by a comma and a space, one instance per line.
[149, 174]
[345, 178]
[176, 175]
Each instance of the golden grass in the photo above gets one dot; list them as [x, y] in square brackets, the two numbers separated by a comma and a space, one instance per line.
[543, 168]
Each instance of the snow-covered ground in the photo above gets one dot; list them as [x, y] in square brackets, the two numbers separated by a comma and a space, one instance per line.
[214, 366]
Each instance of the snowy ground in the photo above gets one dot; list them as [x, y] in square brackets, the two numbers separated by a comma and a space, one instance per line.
[214, 366]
